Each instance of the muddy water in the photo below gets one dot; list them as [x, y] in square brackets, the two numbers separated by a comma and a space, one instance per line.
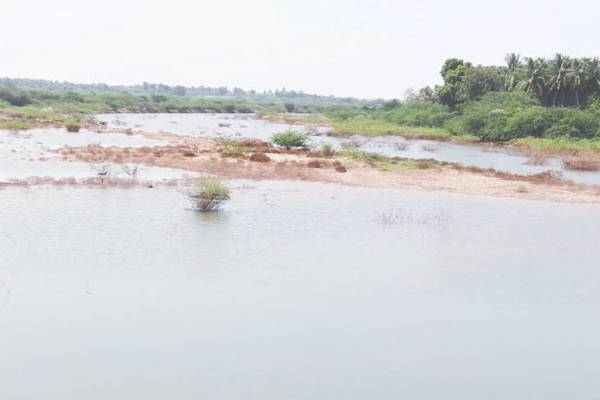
[296, 291]
[25, 154]
[204, 125]
[240, 125]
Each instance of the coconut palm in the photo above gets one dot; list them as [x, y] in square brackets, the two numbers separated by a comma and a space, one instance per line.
[577, 79]
[559, 79]
[534, 81]
[513, 64]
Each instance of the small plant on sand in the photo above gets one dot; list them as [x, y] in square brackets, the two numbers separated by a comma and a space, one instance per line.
[209, 194]
[291, 140]
[327, 150]
[103, 170]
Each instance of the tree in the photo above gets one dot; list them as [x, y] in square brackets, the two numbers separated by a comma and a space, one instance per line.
[513, 65]
[534, 81]
[453, 72]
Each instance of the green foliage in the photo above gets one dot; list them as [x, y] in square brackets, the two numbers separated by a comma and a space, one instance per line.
[72, 125]
[327, 149]
[17, 124]
[14, 97]
[506, 116]
[418, 113]
[209, 194]
[291, 140]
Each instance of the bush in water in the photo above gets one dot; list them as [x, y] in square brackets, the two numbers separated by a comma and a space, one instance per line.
[209, 194]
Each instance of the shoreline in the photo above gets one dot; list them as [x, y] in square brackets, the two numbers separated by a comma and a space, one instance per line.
[261, 162]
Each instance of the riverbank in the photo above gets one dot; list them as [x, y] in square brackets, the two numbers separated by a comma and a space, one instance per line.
[258, 160]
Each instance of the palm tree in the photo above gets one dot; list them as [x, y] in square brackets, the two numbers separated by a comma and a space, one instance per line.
[558, 82]
[592, 70]
[577, 79]
[513, 63]
[534, 79]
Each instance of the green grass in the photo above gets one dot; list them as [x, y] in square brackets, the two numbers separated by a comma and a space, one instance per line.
[566, 144]
[17, 124]
[209, 194]
[379, 161]
[291, 140]
[365, 126]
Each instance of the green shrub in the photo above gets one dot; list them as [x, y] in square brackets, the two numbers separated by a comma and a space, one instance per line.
[327, 149]
[15, 97]
[72, 125]
[209, 194]
[418, 114]
[534, 121]
[291, 139]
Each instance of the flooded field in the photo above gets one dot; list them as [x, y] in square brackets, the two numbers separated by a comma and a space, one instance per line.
[248, 126]
[203, 125]
[297, 291]
[32, 153]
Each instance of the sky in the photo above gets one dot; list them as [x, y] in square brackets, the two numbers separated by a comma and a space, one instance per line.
[359, 48]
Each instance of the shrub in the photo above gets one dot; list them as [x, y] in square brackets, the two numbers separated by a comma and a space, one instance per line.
[327, 149]
[418, 114]
[291, 139]
[72, 125]
[534, 121]
[15, 97]
[209, 194]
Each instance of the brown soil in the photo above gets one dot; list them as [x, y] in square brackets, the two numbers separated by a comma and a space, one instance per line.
[259, 157]
[579, 164]
[296, 165]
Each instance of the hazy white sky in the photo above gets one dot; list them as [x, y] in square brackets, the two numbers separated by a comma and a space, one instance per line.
[362, 48]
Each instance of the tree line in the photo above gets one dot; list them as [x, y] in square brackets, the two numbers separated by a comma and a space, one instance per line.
[555, 82]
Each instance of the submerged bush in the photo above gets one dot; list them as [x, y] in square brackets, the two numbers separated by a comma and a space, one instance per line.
[291, 139]
[209, 194]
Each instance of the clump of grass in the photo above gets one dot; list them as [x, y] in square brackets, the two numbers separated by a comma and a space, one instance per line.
[380, 161]
[327, 150]
[291, 140]
[209, 194]
[232, 147]
[72, 125]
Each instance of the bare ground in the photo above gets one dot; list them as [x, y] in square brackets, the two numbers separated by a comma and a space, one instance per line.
[202, 155]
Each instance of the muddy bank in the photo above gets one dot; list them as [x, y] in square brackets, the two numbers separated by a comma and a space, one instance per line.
[205, 155]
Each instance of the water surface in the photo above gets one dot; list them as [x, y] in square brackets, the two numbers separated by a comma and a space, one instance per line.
[297, 291]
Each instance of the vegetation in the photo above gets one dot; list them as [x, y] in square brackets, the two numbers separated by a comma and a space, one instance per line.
[72, 125]
[209, 194]
[281, 100]
[380, 161]
[556, 101]
[291, 140]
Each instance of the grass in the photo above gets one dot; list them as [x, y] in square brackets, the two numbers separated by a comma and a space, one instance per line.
[17, 124]
[562, 144]
[296, 118]
[361, 125]
[291, 140]
[232, 147]
[209, 194]
[379, 161]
